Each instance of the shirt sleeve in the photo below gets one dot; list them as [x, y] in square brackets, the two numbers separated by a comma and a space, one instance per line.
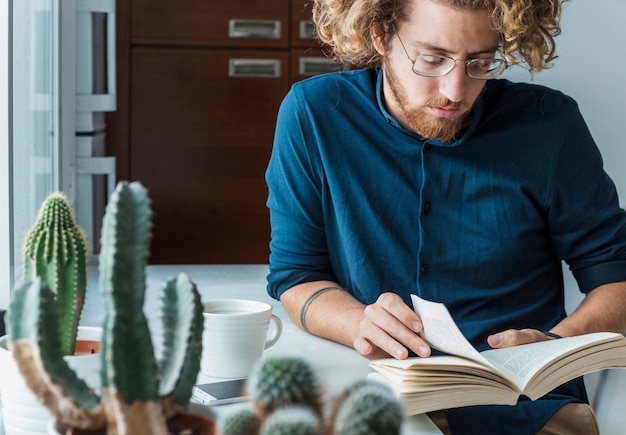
[587, 225]
[294, 177]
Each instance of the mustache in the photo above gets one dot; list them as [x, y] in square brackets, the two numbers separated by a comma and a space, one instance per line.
[444, 102]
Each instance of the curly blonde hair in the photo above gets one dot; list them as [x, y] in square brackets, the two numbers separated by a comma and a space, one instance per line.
[528, 27]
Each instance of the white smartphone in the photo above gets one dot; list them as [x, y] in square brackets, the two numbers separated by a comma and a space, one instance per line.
[217, 393]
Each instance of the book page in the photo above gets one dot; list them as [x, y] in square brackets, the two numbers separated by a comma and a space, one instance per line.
[440, 331]
[522, 362]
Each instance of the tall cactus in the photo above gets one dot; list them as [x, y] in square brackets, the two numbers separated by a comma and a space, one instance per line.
[138, 392]
[56, 250]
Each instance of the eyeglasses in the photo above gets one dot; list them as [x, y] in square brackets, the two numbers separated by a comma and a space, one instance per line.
[430, 65]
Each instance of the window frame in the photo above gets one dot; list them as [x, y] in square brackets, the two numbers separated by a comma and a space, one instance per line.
[6, 175]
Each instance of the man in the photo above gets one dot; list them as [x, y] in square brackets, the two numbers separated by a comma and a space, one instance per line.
[423, 173]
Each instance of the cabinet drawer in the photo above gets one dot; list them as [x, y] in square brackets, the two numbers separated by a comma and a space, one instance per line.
[309, 62]
[302, 32]
[223, 23]
[201, 140]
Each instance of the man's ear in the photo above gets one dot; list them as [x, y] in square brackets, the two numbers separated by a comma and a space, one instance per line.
[378, 37]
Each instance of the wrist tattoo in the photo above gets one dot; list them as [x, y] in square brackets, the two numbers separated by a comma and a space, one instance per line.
[308, 302]
[551, 334]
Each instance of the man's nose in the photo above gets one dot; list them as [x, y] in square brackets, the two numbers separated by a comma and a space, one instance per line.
[452, 85]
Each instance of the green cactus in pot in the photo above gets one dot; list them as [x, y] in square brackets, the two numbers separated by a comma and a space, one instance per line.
[55, 249]
[287, 399]
[139, 393]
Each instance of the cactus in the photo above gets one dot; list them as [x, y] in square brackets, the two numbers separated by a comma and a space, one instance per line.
[56, 250]
[138, 392]
[32, 322]
[368, 407]
[283, 381]
[292, 420]
[243, 421]
[287, 400]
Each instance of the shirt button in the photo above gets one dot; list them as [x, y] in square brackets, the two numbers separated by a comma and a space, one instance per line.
[425, 269]
[427, 207]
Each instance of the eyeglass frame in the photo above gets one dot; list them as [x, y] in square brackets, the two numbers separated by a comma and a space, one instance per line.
[454, 61]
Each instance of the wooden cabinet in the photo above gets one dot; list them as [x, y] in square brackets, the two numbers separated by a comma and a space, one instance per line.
[200, 142]
[216, 23]
[200, 86]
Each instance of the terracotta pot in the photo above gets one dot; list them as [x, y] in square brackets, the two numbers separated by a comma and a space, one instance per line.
[87, 347]
[183, 423]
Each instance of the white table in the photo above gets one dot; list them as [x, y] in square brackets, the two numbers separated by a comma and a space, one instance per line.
[337, 366]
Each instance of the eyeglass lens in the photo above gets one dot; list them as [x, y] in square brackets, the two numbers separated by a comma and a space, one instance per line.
[431, 65]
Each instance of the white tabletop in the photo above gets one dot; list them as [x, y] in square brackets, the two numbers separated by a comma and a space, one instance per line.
[337, 366]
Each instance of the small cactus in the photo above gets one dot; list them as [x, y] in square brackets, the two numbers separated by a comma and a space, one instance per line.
[138, 392]
[243, 421]
[366, 408]
[283, 381]
[287, 401]
[292, 420]
[286, 397]
[55, 249]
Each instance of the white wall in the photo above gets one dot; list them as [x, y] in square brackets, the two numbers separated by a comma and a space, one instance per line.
[592, 69]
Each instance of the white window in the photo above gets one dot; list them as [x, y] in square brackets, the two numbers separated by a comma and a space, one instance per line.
[5, 174]
[29, 123]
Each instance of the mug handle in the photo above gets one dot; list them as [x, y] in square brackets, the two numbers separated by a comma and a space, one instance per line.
[278, 329]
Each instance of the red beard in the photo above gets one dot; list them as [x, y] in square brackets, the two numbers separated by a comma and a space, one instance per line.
[419, 118]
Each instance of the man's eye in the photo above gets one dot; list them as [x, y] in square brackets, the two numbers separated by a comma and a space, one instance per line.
[431, 61]
[481, 63]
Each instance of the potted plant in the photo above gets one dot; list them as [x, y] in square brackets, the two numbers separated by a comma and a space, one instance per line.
[139, 394]
[55, 249]
[287, 399]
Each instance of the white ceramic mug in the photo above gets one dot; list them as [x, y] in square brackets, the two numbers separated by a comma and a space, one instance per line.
[235, 336]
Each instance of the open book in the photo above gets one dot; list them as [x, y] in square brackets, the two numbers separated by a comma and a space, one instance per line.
[467, 377]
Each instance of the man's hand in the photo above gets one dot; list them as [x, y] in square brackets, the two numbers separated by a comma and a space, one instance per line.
[390, 327]
[515, 337]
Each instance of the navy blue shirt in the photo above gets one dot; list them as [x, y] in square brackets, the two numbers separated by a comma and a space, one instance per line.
[481, 223]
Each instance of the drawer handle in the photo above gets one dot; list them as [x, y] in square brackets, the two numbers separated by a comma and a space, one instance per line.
[306, 30]
[261, 29]
[310, 66]
[254, 68]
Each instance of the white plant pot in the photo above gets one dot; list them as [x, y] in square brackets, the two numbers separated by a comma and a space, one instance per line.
[22, 412]
[50, 427]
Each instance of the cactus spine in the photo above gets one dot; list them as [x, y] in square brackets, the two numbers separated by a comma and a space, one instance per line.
[138, 392]
[56, 250]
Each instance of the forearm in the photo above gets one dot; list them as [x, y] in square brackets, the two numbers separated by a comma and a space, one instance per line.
[603, 309]
[334, 315]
